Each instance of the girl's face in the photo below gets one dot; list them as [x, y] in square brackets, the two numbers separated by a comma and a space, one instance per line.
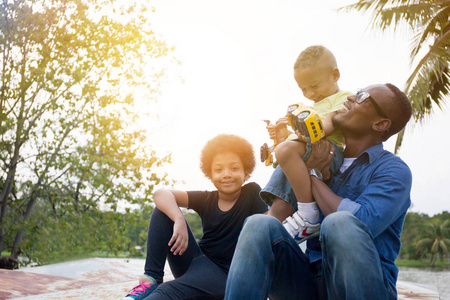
[227, 173]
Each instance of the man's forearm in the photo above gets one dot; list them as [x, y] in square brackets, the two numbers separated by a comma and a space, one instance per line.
[326, 199]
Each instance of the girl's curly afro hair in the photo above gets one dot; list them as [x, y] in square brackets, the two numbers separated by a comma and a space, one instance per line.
[227, 143]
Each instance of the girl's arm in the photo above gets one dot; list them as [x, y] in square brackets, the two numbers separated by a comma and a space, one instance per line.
[169, 202]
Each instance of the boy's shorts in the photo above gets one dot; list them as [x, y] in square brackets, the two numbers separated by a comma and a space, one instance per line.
[279, 186]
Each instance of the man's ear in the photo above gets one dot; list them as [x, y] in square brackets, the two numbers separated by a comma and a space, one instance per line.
[382, 125]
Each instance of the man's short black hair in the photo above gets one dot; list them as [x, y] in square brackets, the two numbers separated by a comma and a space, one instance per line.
[402, 110]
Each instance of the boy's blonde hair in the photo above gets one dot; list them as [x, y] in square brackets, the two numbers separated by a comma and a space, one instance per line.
[315, 56]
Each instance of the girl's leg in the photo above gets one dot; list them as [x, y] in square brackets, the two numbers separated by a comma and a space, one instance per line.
[203, 280]
[159, 234]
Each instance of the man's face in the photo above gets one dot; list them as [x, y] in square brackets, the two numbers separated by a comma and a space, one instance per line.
[358, 118]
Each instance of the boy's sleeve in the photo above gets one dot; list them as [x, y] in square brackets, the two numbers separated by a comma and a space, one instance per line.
[339, 101]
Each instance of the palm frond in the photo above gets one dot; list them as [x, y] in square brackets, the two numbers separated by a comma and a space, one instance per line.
[364, 6]
[429, 83]
[394, 16]
[435, 26]
[399, 141]
[424, 243]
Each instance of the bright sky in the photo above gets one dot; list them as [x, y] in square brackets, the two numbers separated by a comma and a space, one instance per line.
[237, 58]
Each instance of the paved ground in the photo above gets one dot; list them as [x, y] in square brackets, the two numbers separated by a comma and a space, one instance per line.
[94, 278]
[108, 278]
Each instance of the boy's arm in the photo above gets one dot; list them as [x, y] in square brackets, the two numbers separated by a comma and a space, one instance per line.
[328, 126]
[169, 202]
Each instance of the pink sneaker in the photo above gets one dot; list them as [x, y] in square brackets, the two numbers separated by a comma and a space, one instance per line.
[146, 286]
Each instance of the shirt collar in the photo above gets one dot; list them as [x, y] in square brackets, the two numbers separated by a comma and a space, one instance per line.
[374, 152]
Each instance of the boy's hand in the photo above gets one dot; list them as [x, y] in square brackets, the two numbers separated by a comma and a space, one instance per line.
[180, 238]
[279, 131]
[320, 158]
[301, 137]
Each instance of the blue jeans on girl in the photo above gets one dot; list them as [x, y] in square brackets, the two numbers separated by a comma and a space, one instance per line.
[196, 277]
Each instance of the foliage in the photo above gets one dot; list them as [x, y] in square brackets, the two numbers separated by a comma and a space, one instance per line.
[70, 73]
[195, 224]
[421, 264]
[56, 238]
[429, 23]
[434, 239]
[425, 237]
[411, 230]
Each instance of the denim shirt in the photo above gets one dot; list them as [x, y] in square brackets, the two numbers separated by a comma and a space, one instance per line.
[376, 189]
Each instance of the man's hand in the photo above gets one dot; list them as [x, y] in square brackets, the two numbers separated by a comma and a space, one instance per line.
[320, 158]
[180, 238]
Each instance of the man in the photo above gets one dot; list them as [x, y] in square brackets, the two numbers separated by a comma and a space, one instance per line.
[364, 207]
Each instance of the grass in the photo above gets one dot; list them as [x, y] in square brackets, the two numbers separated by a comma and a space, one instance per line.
[421, 263]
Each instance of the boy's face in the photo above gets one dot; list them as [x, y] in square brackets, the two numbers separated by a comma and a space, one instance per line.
[227, 172]
[317, 83]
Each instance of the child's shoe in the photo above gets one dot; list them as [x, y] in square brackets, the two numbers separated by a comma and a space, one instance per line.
[146, 286]
[300, 228]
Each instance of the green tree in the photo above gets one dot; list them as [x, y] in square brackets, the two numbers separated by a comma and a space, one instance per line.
[412, 226]
[195, 223]
[429, 22]
[70, 73]
[435, 240]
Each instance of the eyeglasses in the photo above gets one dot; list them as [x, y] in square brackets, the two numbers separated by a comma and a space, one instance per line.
[362, 95]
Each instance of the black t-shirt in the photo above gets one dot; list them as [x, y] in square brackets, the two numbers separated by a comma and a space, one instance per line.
[221, 229]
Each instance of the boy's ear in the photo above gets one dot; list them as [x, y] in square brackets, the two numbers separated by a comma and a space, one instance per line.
[336, 74]
[382, 125]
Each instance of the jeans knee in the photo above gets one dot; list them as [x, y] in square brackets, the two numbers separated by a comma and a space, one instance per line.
[257, 227]
[338, 227]
[256, 222]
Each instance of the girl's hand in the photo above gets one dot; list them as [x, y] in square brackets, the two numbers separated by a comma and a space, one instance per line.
[180, 238]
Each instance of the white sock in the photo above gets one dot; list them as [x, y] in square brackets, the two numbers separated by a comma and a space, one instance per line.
[309, 211]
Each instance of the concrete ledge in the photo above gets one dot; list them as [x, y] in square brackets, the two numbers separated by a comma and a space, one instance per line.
[112, 278]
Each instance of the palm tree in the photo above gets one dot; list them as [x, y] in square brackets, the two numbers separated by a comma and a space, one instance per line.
[435, 240]
[429, 21]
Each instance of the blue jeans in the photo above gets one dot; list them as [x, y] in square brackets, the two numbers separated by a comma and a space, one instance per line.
[196, 276]
[280, 187]
[269, 263]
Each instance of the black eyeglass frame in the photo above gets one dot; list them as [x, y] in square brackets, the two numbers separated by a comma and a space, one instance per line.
[362, 95]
